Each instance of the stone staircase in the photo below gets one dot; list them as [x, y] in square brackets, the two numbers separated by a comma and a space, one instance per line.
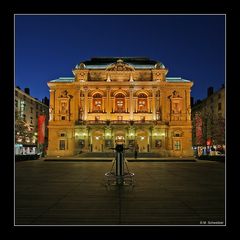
[112, 154]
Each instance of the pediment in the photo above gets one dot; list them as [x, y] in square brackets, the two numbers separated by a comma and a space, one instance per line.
[120, 66]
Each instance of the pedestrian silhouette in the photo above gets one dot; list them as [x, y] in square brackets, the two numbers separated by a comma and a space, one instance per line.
[136, 151]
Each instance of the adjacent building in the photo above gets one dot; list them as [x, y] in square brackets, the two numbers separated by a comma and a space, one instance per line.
[208, 116]
[27, 112]
[120, 100]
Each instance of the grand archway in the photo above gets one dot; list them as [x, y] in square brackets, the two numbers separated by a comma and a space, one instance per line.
[119, 136]
[142, 140]
[97, 141]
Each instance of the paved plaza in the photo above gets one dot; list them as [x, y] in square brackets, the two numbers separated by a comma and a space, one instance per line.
[164, 193]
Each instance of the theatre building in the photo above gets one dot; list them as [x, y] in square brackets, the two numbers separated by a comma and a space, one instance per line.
[120, 100]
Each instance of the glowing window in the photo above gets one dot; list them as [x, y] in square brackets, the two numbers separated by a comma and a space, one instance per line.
[97, 102]
[62, 145]
[142, 102]
[120, 100]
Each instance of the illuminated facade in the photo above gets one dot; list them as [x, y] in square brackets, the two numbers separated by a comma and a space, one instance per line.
[208, 119]
[125, 100]
[27, 111]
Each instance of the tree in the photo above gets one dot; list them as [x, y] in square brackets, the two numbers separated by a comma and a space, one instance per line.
[24, 132]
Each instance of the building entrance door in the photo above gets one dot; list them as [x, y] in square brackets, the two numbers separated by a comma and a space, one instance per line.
[142, 141]
[97, 141]
[119, 137]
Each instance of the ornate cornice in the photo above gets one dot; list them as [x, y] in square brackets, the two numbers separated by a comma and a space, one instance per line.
[120, 66]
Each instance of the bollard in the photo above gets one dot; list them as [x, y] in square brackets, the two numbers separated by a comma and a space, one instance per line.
[119, 164]
[119, 177]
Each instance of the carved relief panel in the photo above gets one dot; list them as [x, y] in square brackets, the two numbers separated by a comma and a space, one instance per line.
[176, 106]
[64, 105]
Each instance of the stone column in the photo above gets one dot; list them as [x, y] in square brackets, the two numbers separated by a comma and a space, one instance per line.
[52, 104]
[69, 108]
[150, 104]
[163, 104]
[81, 104]
[131, 103]
[126, 103]
[77, 101]
[108, 104]
[154, 103]
[85, 103]
[187, 105]
[113, 103]
[91, 104]
[103, 104]
[136, 103]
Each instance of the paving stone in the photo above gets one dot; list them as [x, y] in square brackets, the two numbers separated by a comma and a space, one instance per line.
[74, 193]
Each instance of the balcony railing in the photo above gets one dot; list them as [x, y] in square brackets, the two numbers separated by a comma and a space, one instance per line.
[119, 122]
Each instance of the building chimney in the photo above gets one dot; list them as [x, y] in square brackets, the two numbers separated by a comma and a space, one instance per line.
[198, 101]
[27, 91]
[191, 101]
[210, 91]
[45, 101]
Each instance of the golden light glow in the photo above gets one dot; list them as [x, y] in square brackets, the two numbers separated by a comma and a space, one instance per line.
[119, 102]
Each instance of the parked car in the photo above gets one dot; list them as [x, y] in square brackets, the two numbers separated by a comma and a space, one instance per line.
[216, 153]
[219, 153]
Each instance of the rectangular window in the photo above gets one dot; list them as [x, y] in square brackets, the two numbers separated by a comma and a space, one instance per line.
[63, 118]
[219, 95]
[177, 145]
[31, 110]
[62, 145]
[36, 106]
[219, 106]
[21, 109]
[16, 103]
[36, 114]
[212, 109]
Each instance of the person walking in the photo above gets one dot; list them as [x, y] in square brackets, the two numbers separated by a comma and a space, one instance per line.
[136, 151]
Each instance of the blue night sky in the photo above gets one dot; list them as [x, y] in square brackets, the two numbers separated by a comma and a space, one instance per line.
[50, 46]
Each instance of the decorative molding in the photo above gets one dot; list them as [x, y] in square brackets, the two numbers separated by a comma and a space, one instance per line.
[176, 94]
[120, 66]
[64, 94]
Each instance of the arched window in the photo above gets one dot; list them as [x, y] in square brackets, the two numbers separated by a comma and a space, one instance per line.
[119, 103]
[97, 102]
[142, 102]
